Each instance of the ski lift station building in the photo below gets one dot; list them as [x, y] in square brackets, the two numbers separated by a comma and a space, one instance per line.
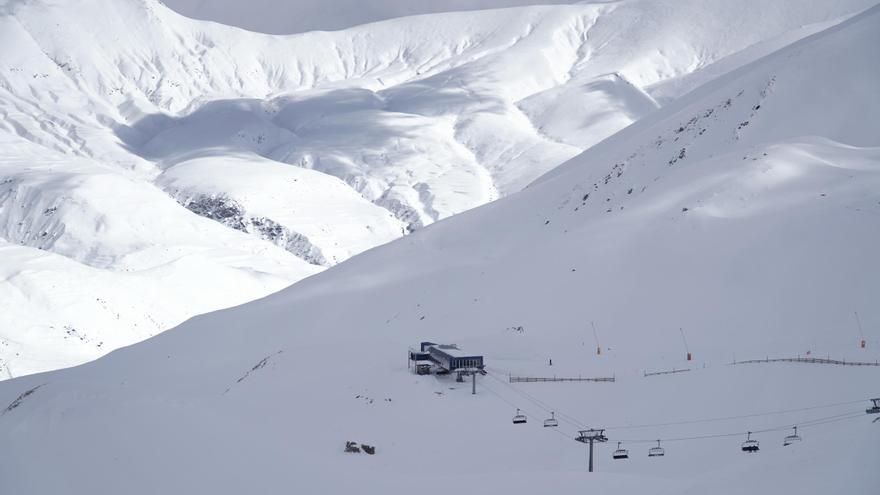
[448, 357]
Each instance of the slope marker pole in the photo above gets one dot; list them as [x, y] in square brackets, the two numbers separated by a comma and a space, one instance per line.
[689, 355]
[861, 333]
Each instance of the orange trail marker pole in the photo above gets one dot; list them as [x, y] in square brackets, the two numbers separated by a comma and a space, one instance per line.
[861, 333]
[689, 355]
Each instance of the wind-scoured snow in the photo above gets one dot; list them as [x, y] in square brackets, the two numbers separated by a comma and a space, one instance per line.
[742, 217]
[140, 143]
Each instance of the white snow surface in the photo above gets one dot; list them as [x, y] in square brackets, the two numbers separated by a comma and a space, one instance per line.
[742, 216]
[295, 16]
[154, 167]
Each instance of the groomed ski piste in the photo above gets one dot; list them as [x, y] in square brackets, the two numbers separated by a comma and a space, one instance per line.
[739, 222]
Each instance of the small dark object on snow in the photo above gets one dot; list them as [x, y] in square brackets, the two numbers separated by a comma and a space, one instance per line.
[684, 209]
[352, 447]
[369, 449]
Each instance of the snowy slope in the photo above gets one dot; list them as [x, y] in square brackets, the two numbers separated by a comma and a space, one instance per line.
[124, 122]
[758, 240]
[285, 16]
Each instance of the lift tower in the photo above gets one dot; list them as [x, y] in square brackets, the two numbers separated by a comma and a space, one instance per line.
[590, 436]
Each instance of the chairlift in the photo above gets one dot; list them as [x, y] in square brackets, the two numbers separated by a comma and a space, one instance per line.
[551, 422]
[520, 418]
[793, 438]
[750, 445]
[620, 453]
[875, 409]
[656, 451]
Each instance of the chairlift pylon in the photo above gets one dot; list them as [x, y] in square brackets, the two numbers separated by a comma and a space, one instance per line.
[551, 422]
[620, 453]
[657, 451]
[750, 445]
[520, 418]
[793, 438]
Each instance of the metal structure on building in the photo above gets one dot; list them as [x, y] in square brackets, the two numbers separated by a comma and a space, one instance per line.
[444, 359]
[448, 357]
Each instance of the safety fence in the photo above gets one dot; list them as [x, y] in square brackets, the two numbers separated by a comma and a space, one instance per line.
[666, 372]
[529, 379]
[810, 360]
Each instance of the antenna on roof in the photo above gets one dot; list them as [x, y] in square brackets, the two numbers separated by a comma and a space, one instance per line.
[596, 336]
[861, 333]
[689, 355]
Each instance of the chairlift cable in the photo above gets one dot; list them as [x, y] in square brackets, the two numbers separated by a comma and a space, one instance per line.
[803, 424]
[543, 405]
[524, 412]
[741, 416]
[807, 424]
[575, 422]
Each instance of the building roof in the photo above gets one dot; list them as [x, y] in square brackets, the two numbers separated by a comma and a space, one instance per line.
[452, 351]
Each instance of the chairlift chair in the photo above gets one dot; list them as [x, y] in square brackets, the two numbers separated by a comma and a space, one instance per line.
[750, 445]
[620, 453]
[793, 438]
[551, 422]
[520, 418]
[875, 409]
[656, 451]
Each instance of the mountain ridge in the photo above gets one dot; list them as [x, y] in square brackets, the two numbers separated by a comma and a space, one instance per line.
[751, 245]
[322, 146]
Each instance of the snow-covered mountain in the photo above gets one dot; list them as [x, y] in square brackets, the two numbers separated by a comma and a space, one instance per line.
[741, 216]
[286, 17]
[154, 167]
